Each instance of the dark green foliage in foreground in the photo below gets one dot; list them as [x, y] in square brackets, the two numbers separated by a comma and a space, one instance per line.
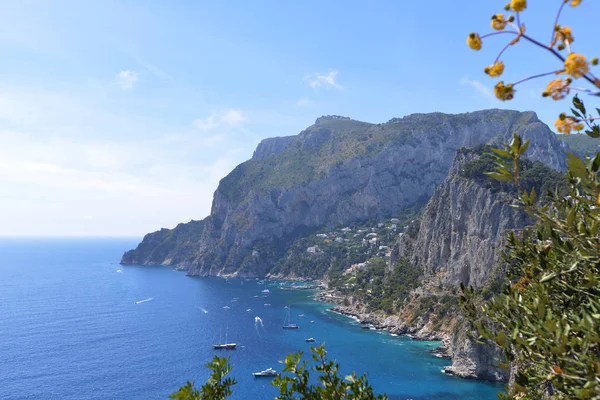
[217, 387]
[293, 385]
[332, 385]
[547, 318]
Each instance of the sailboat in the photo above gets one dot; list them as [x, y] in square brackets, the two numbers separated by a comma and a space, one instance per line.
[224, 346]
[287, 323]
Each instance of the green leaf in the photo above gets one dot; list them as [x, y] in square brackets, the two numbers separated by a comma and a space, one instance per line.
[596, 163]
[579, 104]
[525, 146]
[501, 153]
[595, 132]
[499, 177]
[548, 277]
[501, 338]
[576, 166]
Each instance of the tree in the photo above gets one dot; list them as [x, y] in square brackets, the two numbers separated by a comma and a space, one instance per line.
[217, 386]
[547, 318]
[296, 383]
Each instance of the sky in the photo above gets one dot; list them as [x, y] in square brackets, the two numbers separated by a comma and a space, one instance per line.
[119, 118]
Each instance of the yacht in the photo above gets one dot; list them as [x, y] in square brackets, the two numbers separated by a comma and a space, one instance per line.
[266, 372]
[309, 340]
[287, 323]
[224, 346]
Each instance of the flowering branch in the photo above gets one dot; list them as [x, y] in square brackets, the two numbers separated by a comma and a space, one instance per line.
[575, 65]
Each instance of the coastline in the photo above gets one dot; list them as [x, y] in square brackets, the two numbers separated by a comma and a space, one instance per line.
[468, 360]
[391, 324]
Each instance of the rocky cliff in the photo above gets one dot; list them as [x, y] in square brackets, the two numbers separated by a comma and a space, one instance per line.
[271, 146]
[462, 229]
[460, 239]
[336, 172]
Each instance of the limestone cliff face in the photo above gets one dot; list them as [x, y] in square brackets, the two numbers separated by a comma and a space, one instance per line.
[462, 230]
[271, 146]
[460, 239]
[474, 360]
[336, 172]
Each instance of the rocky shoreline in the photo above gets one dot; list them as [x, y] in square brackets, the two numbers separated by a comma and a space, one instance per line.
[469, 360]
[392, 324]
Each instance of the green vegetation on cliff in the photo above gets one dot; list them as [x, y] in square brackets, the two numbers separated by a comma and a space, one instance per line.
[306, 158]
[329, 252]
[385, 288]
[581, 144]
[533, 174]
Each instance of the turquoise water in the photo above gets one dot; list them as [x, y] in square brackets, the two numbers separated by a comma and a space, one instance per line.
[76, 324]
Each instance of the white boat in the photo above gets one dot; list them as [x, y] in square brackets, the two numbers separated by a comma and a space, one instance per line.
[310, 340]
[267, 372]
[287, 323]
[224, 346]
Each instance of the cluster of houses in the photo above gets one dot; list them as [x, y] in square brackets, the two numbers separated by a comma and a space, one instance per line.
[372, 241]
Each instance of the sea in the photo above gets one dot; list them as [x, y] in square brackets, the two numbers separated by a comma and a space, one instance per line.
[74, 324]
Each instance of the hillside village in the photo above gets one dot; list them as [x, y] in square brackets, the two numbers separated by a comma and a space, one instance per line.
[345, 250]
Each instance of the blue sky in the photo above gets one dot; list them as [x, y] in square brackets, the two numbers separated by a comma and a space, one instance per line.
[119, 117]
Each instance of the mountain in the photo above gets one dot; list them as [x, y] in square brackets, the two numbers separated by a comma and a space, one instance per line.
[581, 144]
[458, 239]
[336, 172]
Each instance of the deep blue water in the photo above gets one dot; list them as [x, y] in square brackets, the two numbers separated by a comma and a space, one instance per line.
[73, 325]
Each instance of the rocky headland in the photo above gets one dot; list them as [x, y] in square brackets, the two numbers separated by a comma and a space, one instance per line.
[331, 201]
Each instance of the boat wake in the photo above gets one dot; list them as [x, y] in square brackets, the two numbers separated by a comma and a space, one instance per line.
[258, 321]
[145, 300]
[204, 310]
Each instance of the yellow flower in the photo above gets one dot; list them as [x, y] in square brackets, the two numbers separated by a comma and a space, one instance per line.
[564, 33]
[566, 124]
[576, 65]
[558, 89]
[518, 5]
[575, 3]
[498, 22]
[495, 70]
[474, 41]
[504, 92]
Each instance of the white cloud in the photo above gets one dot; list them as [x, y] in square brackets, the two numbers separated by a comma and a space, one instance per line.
[317, 80]
[303, 102]
[64, 156]
[228, 118]
[233, 117]
[482, 89]
[126, 79]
